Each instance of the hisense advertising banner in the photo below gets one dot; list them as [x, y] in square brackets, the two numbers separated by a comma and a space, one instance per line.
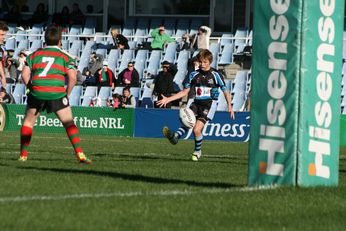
[320, 73]
[294, 136]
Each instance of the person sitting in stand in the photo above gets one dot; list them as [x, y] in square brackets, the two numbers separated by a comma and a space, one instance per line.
[116, 103]
[40, 15]
[76, 16]
[161, 39]
[128, 100]
[129, 76]
[90, 71]
[164, 82]
[105, 77]
[6, 98]
[119, 40]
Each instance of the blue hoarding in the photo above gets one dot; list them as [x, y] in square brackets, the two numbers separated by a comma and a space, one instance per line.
[149, 123]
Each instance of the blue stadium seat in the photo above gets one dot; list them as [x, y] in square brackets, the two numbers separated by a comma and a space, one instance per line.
[89, 93]
[104, 94]
[20, 35]
[221, 102]
[226, 55]
[238, 101]
[19, 93]
[74, 31]
[35, 30]
[182, 60]
[170, 52]
[9, 87]
[75, 95]
[140, 35]
[226, 39]
[154, 62]
[112, 59]
[65, 44]
[36, 44]
[240, 38]
[10, 43]
[126, 57]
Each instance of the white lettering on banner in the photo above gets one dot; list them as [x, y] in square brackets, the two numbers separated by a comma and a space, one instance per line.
[82, 122]
[20, 119]
[319, 142]
[272, 134]
[111, 123]
[234, 130]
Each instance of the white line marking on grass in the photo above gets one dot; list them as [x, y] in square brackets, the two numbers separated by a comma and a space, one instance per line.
[130, 194]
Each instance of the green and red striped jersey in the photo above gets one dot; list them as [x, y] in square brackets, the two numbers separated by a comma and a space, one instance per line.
[49, 67]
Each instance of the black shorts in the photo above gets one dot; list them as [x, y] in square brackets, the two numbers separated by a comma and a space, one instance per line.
[204, 110]
[47, 105]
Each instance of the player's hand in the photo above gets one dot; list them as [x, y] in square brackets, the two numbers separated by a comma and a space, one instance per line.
[162, 102]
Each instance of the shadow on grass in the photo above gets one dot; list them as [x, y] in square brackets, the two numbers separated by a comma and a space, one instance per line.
[133, 177]
[210, 158]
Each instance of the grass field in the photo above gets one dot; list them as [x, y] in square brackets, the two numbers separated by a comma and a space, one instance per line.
[147, 184]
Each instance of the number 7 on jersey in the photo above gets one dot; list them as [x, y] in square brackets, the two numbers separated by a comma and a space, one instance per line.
[49, 61]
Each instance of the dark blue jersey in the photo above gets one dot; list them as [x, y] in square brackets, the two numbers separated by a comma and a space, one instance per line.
[205, 84]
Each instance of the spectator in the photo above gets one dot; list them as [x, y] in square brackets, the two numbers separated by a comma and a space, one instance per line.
[193, 65]
[164, 82]
[11, 66]
[95, 102]
[128, 100]
[201, 39]
[89, 9]
[5, 97]
[21, 60]
[3, 53]
[40, 15]
[119, 40]
[76, 16]
[116, 102]
[14, 15]
[129, 76]
[185, 42]
[89, 72]
[105, 77]
[160, 38]
[62, 19]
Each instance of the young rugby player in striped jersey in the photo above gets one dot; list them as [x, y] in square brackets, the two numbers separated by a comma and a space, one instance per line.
[205, 83]
[44, 74]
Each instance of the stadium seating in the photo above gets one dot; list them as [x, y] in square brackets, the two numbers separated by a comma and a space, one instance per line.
[226, 55]
[154, 62]
[75, 95]
[104, 94]
[89, 93]
[19, 93]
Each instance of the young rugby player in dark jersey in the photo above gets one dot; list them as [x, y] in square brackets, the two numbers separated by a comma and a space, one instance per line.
[44, 74]
[206, 83]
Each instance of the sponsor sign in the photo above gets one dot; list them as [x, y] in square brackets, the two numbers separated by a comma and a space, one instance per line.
[320, 93]
[89, 120]
[296, 65]
[149, 123]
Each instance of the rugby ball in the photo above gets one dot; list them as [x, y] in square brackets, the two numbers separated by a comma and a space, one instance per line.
[187, 117]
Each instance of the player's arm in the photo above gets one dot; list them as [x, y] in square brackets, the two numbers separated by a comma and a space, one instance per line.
[26, 76]
[72, 79]
[179, 95]
[229, 103]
